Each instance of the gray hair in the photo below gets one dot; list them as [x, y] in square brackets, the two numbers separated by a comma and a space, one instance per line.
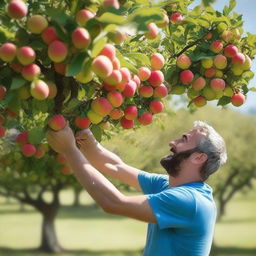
[213, 145]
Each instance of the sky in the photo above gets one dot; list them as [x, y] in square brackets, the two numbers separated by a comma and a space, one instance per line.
[248, 9]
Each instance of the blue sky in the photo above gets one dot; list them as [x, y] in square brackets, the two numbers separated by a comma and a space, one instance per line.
[248, 9]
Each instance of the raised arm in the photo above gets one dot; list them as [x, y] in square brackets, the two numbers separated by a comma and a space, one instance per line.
[106, 161]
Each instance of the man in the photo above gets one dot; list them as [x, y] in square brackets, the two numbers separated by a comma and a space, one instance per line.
[178, 207]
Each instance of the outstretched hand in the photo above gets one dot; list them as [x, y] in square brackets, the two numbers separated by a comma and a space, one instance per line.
[62, 141]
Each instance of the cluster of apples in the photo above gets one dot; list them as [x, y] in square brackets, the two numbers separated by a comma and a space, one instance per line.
[28, 149]
[119, 86]
[209, 79]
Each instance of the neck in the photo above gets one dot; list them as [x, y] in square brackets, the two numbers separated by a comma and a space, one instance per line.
[183, 178]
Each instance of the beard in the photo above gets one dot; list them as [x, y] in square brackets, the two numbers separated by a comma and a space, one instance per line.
[172, 162]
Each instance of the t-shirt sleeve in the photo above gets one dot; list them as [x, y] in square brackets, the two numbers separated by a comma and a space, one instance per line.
[151, 183]
[173, 208]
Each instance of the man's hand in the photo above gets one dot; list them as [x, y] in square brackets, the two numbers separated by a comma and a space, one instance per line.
[62, 141]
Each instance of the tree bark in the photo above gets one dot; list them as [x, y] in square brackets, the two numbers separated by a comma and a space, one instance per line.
[76, 197]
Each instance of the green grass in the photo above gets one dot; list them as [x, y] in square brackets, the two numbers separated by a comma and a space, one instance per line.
[87, 231]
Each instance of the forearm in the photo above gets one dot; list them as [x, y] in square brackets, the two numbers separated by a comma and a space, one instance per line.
[100, 189]
[98, 156]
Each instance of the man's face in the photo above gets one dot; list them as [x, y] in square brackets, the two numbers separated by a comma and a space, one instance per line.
[181, 150]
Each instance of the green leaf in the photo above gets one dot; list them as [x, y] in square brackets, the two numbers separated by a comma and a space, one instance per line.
[224, 101]
[71, 106]
[125, 62]
[139, 57]
[36, 135]
[76, 64]
[112, 18]
[97, 132]
[17, 82]
[98, 46]
[245, 89]
[38, 45]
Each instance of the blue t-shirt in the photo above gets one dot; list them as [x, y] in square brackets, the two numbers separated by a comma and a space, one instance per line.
[185, 217]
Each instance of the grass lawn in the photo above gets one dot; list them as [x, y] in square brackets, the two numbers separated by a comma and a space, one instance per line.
[89, 231]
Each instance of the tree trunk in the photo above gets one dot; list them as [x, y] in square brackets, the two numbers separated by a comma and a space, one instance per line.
[49, 240]
[76, 197]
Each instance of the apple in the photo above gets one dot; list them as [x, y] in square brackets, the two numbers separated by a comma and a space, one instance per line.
[156, 106]
[126, 74]
[17, 9]
[130, 89]
[82, 122]
[152, 31]
[83, 16]
[116, 114]
[200, 101]
[217, 84]
[28, 150]
[52, 90]
[176, 18]
[157, 61]
[160, 91]
[57, 51]
[22, 138]
[2, 131]
[57, 122]
[136, 79]
[199, 84]
[146, 91]
[39, 90]
[36, 24]
[207, 63]
[237, 70]
[109, 51]
[208, 36]
[216, 46]
[94, 117]
[164, 22]
[131, 112]
[144, 73]
[146, 118]
[117, 36]
[102, 66]
[230, 51]
[2, 92]
[111, 3]
[101, 106]
[247, 64]
[49, 35]
[183, 62]
[114, 78]
[209, 93]
[39, 152]
[60, 67]
[178, 89]
[8, 52]
[228, 91]
[26, 55]
[238, 99]
[115, 98]
[186, 76]
[30, 72]
[126, 124]
[220, 61]
[192, 93]
[116, 64]
[81, 38]
[238, 59]
[210, 72]
[156, 78]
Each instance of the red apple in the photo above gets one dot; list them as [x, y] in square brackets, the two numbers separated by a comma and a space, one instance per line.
[57, 122]
[57, 51]
[39, 90]
[28, 150]
[131, 112]
[160, 91]
[81, 38]
[26, 55]
[130, 89]
[176, 18]
[49, 35]
[8, 52]
[238, 99]
[101, 106]
[115, 98]
[146, 118]
[156, 106]
[102, 66]
[17, 9]
[186, 76]
[82, 122]
[37, 24]
[146, 91]
[156, 78]
[230, 51]
[22, 138]
[126, 124]
[183, 62]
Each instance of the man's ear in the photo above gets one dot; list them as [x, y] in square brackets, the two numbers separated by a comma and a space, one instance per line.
[199, 158]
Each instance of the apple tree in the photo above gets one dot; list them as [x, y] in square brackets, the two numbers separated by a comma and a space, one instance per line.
[104, 65]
